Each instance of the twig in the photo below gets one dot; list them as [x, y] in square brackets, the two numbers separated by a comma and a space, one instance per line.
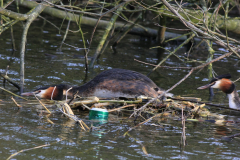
[86, 106]
[68, 109]
[18, 105]
[173, 28]
[95, 27]
[65, 35]
[106, 33]
[6, 72]
[73, 117]
[185, 42]
[10, 80]
[168, 67]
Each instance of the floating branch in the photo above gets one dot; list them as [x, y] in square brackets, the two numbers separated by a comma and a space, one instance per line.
[13, 93]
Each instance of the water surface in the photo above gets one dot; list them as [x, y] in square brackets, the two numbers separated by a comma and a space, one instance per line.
[46, 64]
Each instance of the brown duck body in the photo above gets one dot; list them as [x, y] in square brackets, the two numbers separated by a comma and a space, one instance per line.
[118, 83]
[108, 84]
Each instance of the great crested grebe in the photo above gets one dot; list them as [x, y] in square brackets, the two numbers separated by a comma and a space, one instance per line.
[108, 84]
[224, 83]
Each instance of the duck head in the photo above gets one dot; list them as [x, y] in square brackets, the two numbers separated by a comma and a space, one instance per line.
[222, 82]
[54, 92]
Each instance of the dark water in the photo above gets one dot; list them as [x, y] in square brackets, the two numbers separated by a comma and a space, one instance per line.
[46, 64]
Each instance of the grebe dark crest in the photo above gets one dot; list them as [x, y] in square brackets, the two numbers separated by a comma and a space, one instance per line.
[224, 83]
[108, 84]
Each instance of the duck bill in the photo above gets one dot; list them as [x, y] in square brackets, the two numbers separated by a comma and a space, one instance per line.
[205, 86]
[27, 94]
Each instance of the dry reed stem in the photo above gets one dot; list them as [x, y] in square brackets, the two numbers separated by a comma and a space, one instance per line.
[86, 106]
[76, 104]
[183, 137]
[99, 105]
[84, 124]
[68, 109]
[42, 104]
[72, 116]
[18, 105]
[117, 109]
[81, 125]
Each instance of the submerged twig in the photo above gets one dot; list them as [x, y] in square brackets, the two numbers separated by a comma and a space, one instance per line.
[139, 142]
[142, 123]
[32, 149]
[47, 119]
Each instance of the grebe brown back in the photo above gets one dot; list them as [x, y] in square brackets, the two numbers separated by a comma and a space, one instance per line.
[108, 84]
[224, 83]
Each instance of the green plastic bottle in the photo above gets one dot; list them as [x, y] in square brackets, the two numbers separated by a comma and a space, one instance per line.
[98, 114]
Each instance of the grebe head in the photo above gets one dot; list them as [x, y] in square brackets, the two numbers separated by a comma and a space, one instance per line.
[222, 82]
[54, 92]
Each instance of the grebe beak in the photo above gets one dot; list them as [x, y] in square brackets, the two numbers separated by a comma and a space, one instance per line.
[38, 93]
[205, 86]
[27, 94]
